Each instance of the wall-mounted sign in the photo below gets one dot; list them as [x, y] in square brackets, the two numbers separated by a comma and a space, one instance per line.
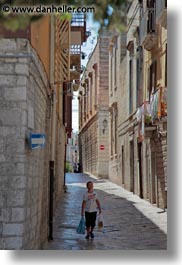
[102, 147]
[37, 140]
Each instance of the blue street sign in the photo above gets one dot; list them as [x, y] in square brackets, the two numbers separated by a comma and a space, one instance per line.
[37, 140]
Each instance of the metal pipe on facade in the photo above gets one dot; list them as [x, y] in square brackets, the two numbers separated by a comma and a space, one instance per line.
[53, 127]
[51, 199]
[65, 189]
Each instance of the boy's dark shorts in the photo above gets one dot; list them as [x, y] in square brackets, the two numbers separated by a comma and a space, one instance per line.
[90, 219]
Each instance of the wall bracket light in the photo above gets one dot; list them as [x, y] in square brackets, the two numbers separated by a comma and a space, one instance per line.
[104, 123]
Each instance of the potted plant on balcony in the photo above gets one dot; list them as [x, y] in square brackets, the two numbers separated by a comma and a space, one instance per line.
[148, 120]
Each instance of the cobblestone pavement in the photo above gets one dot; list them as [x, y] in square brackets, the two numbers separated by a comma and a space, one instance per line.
[130, 222]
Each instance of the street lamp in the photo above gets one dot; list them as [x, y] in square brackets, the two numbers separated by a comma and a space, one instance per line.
[104, 123]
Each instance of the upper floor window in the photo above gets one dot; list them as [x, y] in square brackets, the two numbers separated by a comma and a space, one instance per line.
[90, 88]
[130, 48]
[111, 71]
[130, 86]
[151, 3]
[115, 67]
[139, 76]
[152, 78]
[166, 67]
[95, 84]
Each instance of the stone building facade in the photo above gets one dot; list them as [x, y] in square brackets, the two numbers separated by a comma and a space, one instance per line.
[155, 93]
[24, 107]
[35, 97]
[117, 106]
[94, 111]
[142, 127]
[133, 130]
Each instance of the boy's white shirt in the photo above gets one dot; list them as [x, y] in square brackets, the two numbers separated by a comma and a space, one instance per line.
[90, 199]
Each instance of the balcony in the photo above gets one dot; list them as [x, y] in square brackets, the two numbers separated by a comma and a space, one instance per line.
[148, 35]
[78, 24]
[144, 119]
[76, 84]
[143, 114]
[75, 61]
[161, 13]
[151, 112]
[158, 103]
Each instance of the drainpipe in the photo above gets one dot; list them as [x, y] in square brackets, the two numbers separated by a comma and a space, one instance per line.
[65, 188]
[53, 132]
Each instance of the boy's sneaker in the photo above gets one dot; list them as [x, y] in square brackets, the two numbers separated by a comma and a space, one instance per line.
[87, 237]
[91, 235]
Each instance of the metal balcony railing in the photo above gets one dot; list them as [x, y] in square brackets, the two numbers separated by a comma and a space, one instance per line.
[78, 23]
[78, 20]
[155, 109]
[75, 49]
[158, 103]
[143, 110]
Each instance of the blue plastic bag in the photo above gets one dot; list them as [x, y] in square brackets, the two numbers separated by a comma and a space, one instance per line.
[81, 227]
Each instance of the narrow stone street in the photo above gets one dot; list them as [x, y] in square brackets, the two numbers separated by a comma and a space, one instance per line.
[130, 223]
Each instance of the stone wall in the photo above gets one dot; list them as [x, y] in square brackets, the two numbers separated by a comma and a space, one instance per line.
[24, 174]
[91, 133]
[118, 95]
[103, 105]
[117, 174]
[59, 163]
[103, 140]
[161, 163]
[89, 147]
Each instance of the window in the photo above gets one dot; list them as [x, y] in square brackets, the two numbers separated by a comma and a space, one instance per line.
[137, 82]
[150, 3]
[115, 128]
[85, 103]
[111, 70]
[81, 113]
[132, 171]
[87, 94]
[115, 67]
[111, 140]
[152, 78]
[95, 84]
[166, 67]
[123, 164]
[130, 86]
[139, 76]
[90, 90]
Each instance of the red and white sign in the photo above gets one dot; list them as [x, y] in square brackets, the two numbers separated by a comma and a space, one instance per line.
[102, 147]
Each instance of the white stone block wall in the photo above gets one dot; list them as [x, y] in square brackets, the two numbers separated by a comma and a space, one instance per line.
[23, 172]
[59, 164]
[103, 139]
[91, 135]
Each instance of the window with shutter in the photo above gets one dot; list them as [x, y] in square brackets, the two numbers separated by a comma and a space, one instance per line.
[130, 86]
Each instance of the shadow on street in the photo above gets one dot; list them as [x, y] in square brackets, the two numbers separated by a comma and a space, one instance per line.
[125, 227]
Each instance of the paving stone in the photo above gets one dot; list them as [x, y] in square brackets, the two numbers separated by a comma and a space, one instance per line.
[130, 223]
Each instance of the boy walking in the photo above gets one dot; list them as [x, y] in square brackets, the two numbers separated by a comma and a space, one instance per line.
[89, 207]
